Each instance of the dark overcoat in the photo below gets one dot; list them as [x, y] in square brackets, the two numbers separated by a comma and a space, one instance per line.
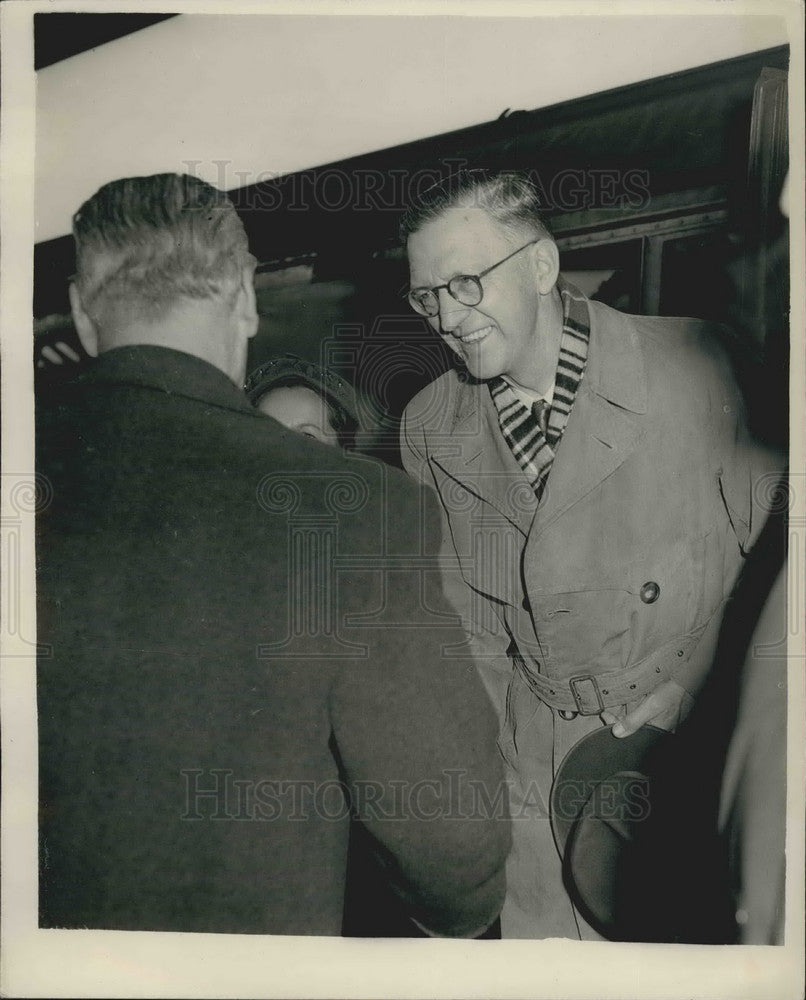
[241, 646]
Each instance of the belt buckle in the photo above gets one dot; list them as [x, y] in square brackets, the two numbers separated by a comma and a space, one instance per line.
[581, 679]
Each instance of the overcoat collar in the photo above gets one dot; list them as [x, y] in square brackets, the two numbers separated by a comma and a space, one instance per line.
[167, 371]
[615, 368]
[602, 430]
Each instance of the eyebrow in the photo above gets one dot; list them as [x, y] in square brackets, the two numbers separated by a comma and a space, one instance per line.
[458, 248]
[439, 284]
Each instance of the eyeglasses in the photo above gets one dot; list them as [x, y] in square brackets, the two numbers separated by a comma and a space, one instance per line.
[465, 288]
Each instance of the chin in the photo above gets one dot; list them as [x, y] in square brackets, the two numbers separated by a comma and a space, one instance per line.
[483, 369]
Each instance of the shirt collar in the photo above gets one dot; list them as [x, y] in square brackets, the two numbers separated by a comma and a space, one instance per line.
[529, 396]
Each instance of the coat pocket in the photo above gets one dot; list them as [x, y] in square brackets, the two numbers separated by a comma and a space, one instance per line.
[630, 610]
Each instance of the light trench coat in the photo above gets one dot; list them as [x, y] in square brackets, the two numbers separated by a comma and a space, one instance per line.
[617, 579]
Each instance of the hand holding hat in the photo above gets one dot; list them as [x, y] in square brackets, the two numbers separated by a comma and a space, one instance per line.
[666, 707]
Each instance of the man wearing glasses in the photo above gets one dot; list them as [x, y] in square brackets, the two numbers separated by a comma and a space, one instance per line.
[597, 496]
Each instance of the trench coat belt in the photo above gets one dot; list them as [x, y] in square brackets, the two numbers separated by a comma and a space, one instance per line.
[591, 693]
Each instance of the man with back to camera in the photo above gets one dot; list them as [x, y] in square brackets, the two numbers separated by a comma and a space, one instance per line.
[212, 703]
[596, 489]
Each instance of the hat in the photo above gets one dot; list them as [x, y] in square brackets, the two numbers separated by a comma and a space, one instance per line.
[289, 368]
[609, 807]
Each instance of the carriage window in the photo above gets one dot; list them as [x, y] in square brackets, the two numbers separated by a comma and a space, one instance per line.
[609, 273]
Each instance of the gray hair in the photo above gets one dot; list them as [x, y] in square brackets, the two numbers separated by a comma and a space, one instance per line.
[509, 197]
[142, 243]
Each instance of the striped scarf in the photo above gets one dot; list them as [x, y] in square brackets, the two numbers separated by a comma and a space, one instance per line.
[534, 450]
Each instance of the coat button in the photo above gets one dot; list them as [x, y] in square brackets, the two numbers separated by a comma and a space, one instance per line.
[650, 592]
[526, 605]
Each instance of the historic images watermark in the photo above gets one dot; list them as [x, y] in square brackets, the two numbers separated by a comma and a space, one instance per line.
[218, 794]
[782, 495]
[320, 509]
[480, 561]
[336, 189]
[26, 496]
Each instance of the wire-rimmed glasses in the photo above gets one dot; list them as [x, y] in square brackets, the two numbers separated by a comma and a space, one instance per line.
[466, 289]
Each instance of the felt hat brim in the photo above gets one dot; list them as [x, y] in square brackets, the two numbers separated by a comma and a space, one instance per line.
[601, 804]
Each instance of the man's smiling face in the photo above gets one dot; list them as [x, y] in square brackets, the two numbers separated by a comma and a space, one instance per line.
[499, 336]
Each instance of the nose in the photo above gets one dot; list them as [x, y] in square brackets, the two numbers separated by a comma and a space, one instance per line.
[451, 313]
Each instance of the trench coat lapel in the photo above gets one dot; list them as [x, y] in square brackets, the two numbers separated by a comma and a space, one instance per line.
[479, 459]
[606, 420]
[597, 440]
[603, 429]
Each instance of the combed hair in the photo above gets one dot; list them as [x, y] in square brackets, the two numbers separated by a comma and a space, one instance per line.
[508, 196]
[143, 243]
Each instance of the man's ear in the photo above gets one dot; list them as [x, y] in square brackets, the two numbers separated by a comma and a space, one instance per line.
[547, 259]
[85, 328]
[248, 318]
